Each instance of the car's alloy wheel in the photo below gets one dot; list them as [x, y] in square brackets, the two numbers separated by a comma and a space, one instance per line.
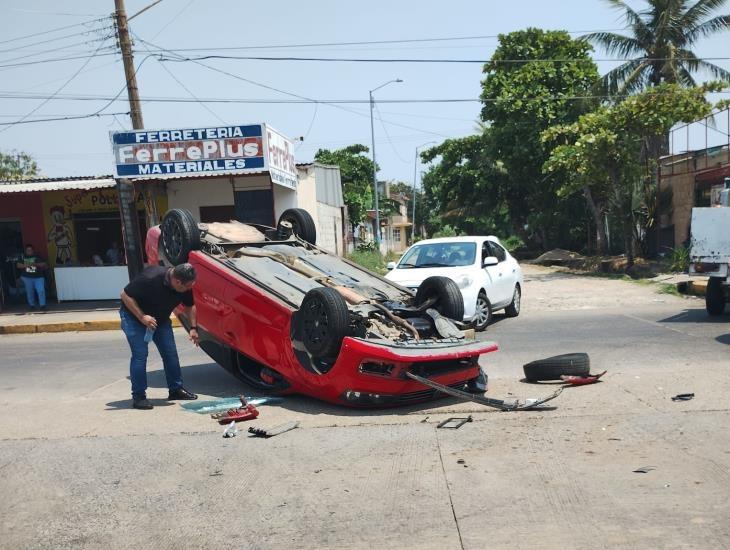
[513, 310]
[482, 312]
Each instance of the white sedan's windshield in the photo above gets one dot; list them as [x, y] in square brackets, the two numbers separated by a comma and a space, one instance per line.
[439, 255]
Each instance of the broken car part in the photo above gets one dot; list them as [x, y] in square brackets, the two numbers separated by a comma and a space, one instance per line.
[552, 368]
[582, 380]
[231, 430]
[683, 397]
[280, 429]
[455, 422]
[644, 469]
[502, 405]
[245, 412]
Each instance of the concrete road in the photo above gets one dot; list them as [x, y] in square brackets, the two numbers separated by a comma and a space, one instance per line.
[80, 469]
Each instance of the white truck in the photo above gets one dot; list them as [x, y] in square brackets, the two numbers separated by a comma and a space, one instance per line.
[710, 251]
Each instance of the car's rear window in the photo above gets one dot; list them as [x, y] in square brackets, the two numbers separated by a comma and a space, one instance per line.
[439, 255]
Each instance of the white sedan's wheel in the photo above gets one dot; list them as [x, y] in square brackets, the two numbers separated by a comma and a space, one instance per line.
[513, 310]
[482, 312]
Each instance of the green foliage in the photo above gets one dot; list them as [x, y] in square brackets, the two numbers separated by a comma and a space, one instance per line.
[367, 246]
[661, 36]
[605, 150]
[17, 166]
[679, 259]
[447, 231]
[513, 242]
[464, 187]
[520, 101]
[356, 170]
[372, 260]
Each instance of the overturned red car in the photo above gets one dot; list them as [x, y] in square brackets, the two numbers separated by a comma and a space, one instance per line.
[285, 316]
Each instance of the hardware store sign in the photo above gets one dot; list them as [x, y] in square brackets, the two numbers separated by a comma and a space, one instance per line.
[194, 151]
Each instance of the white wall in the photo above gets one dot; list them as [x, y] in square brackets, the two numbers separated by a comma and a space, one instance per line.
[194, 193]
[329, 228]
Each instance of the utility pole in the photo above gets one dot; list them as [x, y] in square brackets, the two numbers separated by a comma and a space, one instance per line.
[125, 188]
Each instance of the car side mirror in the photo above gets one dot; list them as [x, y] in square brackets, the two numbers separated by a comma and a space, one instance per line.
[490, 260]
[390, 265]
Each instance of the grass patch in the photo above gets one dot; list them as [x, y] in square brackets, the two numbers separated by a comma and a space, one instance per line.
[372, 260]
[667, 288]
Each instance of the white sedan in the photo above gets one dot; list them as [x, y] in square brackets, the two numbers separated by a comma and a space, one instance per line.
[489, 278]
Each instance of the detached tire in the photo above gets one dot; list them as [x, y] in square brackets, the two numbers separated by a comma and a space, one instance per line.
[449, 300]
[575, 364]
[179, 235]
[714, 297]
[302, 225]
[324, 321]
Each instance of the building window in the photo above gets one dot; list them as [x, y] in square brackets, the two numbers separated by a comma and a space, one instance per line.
[396, 234]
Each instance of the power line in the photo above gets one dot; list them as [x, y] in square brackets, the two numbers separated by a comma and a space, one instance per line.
[58, 48]
[53, 30]
[64, 37]
[70, 117]
[366, 42]
[406, 60]
[74, 75]
[56, 59]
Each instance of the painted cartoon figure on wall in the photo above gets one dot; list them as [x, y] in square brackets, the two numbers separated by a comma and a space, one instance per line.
[60, 234]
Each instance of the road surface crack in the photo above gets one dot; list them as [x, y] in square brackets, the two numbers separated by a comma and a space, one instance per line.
[448, 490]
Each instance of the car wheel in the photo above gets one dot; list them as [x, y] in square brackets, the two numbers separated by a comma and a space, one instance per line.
[552, 368]
[302, 225]
[482, 312]
[714, 296]
[324, 321]
[449, 301]
[179, 235]
[513, 310]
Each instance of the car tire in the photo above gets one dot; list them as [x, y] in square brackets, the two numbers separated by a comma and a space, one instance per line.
[552, 368]
[324, 321]
[302, 225]
[513, 310]
[714, 297]
[179, 235]
[482, 312]
[449, 300]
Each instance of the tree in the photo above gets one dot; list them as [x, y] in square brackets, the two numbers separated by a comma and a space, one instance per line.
[605, 149]
[356, 171]
[661, 41]
[533, 81]
[17, 166]
[464, 187]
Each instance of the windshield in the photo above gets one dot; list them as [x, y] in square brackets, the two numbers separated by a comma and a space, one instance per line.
[439, 255]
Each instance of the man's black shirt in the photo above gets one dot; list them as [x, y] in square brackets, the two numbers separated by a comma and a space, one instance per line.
[154, 293]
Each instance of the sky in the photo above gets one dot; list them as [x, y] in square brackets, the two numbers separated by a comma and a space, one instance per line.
[394, 29]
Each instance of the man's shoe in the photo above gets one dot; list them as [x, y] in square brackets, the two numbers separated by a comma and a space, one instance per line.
[142, 404]
[44, 308]
[182, 394]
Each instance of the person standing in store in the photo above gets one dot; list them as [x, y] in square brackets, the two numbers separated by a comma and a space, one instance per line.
[33, 274]
[147, 302]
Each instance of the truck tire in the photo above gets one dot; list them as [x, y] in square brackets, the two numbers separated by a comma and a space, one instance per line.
[179, 235]
[714, 296]
[449, 300]
[576, 364]
[324, 321]
[302, 225]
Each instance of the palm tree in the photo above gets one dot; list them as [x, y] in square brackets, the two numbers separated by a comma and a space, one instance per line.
[660, 44]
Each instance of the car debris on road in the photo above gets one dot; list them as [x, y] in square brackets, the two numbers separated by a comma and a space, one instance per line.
[276, 430]
[501, 404]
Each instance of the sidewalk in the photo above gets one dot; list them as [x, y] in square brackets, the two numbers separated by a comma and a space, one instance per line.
[63, 317]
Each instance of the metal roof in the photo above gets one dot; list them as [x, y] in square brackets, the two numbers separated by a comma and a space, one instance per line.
[56, 184]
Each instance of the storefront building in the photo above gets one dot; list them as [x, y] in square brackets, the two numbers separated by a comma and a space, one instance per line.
[72, 222]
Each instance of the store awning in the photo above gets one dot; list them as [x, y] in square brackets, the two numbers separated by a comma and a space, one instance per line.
[56, 184]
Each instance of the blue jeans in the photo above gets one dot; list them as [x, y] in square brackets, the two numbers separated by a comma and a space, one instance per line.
[165, 342]
[39, 285]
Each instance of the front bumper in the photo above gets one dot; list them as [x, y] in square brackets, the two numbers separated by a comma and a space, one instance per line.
[367, 374]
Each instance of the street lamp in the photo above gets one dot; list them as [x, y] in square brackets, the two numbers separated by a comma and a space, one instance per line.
[415, 168]
[375, 169]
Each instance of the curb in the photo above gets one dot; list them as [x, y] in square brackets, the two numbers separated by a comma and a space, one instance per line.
[78, 326]
[695, 288]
